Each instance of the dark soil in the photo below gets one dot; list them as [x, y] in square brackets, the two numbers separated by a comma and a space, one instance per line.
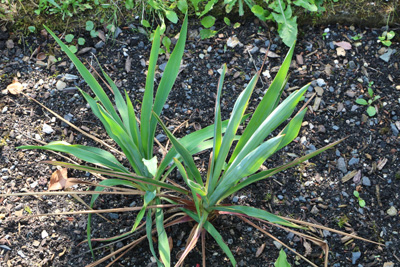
[313, 191]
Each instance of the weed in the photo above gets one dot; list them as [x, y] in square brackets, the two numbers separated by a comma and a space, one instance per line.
[371, 110]
[361, 201]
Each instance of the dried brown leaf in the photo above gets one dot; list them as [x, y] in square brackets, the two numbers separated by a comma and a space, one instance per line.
[58, 179]
[307, 247]
[260, 250]
[15, 88]
[343, 44]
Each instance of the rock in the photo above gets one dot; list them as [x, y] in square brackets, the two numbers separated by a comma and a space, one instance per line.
[47, 129]
[40, 63]
[321, 129]
[10, 44]
[341, 165]
[60, 85]
[161, 138]
[35, 243]
[254, 50]
[354, 161]
[394, 129]
[355, 256]
[277, 244]
[386, 57]
[392, 211]
[99, 44]
[44, 234]
[319, 90]
[235, 199]
[314, 210]
[352, 65]
[232, 42]
[113, 216]
[336, 128]
[321, 82]
[162, 66]
[366, 181]
[388, 264]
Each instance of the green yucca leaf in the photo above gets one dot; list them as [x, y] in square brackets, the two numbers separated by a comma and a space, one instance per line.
[234, 122]
[257, 213]
[268, 173]
[148, 198]
[186, 156]
[163, 244]
[90, 80]
[149, 224]
[167, 81]
[250, 164]
[276, 118]
[267, 104]
[89, 154]
[147, 103]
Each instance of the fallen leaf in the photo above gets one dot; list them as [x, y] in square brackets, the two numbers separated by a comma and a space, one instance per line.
[101, 35]
[308, 248]
[382, 163]
[15, 88]
[260, 250]
[58, 179]
[299, 59]
[344, 45]
[84, 50]
[41, 56]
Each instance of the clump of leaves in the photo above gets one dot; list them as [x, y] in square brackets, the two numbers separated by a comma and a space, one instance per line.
[386, 38]
[361, 201]
[234, 162]
[371, 110]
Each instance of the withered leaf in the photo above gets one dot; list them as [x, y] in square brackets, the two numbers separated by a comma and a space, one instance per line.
[58, 179]
[15, 88]
[260, 250]
[382, 163]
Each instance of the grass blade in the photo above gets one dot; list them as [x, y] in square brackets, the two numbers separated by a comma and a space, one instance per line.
[163, 244]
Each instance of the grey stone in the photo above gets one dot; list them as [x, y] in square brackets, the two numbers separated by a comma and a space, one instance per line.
[366, 181]
[334, 127]
[355, 256]
[321, 82]
[394, 129]
[280, 197]
[341, 165]
[113, 216]
[345, 194]
[162, 66]
[386, 57]
[352, 65]
[254, 50]
[353, 161]
[277, 244]
[99, 44]
[161, 138]
[235, 199]
[392, 211]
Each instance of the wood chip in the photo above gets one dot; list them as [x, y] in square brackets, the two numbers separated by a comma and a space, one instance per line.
[382, 163]
[347, 177]
[317, 102]
[299, 59]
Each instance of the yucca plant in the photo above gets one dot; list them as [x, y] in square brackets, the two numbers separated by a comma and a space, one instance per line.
[234, 161]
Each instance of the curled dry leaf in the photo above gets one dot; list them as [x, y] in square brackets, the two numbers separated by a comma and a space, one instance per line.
[15, 88]
[344, 45]
[41, 56]
[260, 250]
[58, 179]
[307, 247]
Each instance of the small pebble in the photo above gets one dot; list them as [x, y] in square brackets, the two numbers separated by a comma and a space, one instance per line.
[44, 234]
[354, 161]
[355, 256]
[277, 244]
[392, 211]
[341, 165]
[366, 181]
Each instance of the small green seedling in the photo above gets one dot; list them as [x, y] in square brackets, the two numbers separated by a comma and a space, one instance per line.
[32, 29]
[357, 37]
[371, 110]
[361, 201]
[90, 28]
[386, 37]
[324, 35]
